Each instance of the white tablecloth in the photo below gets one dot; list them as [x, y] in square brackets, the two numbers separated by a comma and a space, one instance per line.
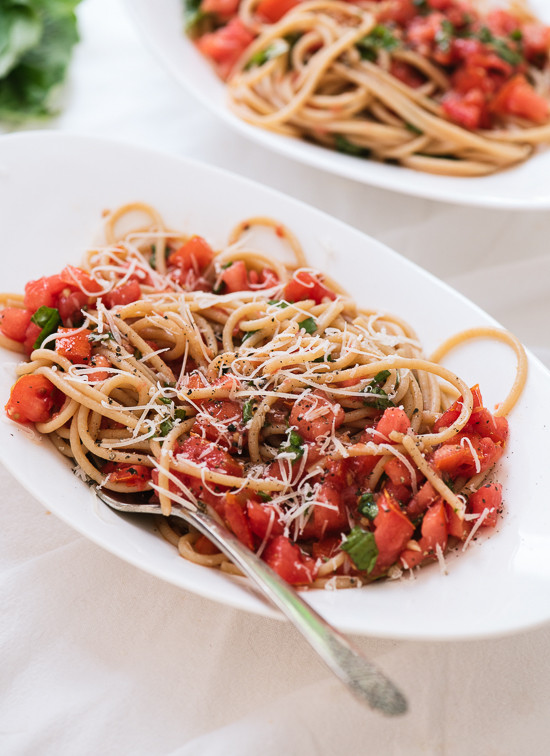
[100, 658]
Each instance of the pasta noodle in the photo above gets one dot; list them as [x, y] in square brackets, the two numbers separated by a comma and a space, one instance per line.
[441, 86]
[317, 431]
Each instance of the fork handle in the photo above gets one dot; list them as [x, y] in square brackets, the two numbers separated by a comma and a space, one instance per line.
[362, 677]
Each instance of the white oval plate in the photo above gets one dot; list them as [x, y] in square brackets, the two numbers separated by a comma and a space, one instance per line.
[523, 187]
[53, 189]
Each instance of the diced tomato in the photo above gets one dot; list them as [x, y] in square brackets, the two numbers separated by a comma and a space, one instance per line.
[43, 292]
[226, 45]
[70, 304]
[235, 277]
[272, 11]
[535, 40]
[236, 519]
[329, 514]
[32, 333]
[304, 285]
[211, 456]
[221, 423]
[122, 295]
[203, 546]
[456, 458]
[223, 9]
[263, 518]
[99, 361]
[456, 526]
[467, 110]
[425, 496]
[392, 530]
[326, 548]
[502, 23]
[398, 11]
[133, 476]
[487, 497]
[453, 412]
[411, 558]
[407, 74]
[263, 280]
[32, 399]
[77, 278]
[393, 419]
[517, 97]
[289, 562]
[400, 474]
[337, 473]
[195, 254]
[14, 322]
[316, 415]
[74, 345]
[434, 528]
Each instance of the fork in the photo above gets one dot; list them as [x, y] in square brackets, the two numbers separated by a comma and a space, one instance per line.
[361, 676]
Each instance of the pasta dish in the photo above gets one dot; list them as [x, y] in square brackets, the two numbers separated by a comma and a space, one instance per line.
[443, 86]
[317, 431]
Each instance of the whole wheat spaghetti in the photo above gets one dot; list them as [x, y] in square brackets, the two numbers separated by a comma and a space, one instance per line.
[316, 430]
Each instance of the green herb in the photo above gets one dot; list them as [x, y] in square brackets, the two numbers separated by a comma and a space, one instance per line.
[362, 548]
[380, 399]
[379, 38]
[95, 337]
[444, 35]
[516, 35]
[165, 399]
[277, 48]
[196, 22]
[500, 46]
[227, 265]
[36, 42]
[422, 6]
[342, 144]
[49, 321]
[278, 303]
[247, 335]
[413, 129]
[293, 444]
[367, 506]
[137, 354]
[309, 325]
[264, 496]
[180, 413]
[166, 426]
[248, 410]
[153, 258]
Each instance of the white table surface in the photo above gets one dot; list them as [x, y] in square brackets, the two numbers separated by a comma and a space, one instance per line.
[100, 658]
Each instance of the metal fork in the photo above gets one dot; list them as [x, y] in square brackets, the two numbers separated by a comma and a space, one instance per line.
[361, 676]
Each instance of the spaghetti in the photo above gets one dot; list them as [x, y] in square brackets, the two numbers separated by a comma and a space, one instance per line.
[315, 430]
[434, 85]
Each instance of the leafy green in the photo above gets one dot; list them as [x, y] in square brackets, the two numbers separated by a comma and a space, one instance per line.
[380, 399]
[293, 444]
[500, 46]
[309, 325]
[247, 335]
[36, 43]
[379, 38]
[274, 50]
[248, 410]
[342, 144]
[49, 321]
[444, 36]
[362, 548]
[367, 506]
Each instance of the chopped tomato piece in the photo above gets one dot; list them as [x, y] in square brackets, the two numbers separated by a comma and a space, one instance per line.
[393, 419]
[263, 280]
[224, 9]
[221, 423]
[488, 497]
[399, 473]
[133, 476]
[43, 292]
[32, 400]
[99, 361]
[122, 295]
[425, 496]
[195, 254]
[466, 454]
[407, 74]
[273, 10]
[316, 415]
[263, 518]
[203, 546]
[456, 526]
[392, 530]
[226, 45]
[70, 303]
[74, 345]
[517, 97]
[288, 561]
[77, 278]
[236, 519]
[235, 277]
[434, 528]
[31, 334]
[329, 514]
[14, 323]
[468, 110]
[304, 285]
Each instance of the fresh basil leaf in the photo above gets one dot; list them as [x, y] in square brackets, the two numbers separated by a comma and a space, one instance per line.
[367, 506]
[342, 144]
[20, 31]
[180, 413]
[49, 321]
[248, 411]
[362, 548]
[309, 325]
[293, 444]
[247, 335]
[379, 38]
